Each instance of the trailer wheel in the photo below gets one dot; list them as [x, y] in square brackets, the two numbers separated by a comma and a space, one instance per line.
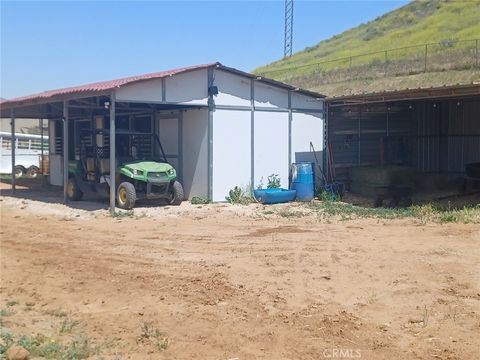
[33, 171]
[126, 195]
[177, 194]
[19, 171]
[73, 191]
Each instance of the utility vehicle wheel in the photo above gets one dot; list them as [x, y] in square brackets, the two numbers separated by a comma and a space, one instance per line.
[33, 171]
[19, 171]
[73, 191]
[177, 194]
[126, 195]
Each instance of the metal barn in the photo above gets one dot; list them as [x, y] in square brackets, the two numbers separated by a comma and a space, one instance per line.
[220, 127]
[435, 132]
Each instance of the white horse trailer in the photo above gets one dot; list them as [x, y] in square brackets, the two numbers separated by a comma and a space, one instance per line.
[28, 153]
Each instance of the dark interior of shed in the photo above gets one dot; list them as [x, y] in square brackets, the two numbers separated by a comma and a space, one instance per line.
[421, 150]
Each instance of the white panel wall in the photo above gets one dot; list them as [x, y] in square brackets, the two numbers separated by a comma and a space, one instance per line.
[271, 147]
[190, 87]
[231, 151]
[308, 128]
[270, 96]
[143, 91]
[232, 89]
[195, 153]
[300, 101]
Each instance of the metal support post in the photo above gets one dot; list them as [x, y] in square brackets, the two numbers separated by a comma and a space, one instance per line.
[65, 151]
[113, 167]
[12, 145]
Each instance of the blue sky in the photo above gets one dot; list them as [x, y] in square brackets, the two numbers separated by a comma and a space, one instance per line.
[48, 45]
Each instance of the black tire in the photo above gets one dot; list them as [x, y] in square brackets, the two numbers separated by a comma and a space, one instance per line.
[126, 195]
[32, 171]
[73, 190]
[177, 194]
[19, 171]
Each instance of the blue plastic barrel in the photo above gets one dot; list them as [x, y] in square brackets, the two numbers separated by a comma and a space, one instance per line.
[302, 180]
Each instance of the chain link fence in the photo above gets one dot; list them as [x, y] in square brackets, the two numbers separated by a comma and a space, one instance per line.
[433, 57]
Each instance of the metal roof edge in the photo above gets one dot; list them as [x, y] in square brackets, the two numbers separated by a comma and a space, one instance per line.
[389, 95]
[95, 88]
[270, 81]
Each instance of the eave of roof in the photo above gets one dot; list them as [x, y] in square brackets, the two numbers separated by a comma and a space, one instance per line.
[105, 87]
[457, 90]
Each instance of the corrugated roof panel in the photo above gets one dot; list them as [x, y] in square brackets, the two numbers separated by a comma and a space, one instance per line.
[101, 86]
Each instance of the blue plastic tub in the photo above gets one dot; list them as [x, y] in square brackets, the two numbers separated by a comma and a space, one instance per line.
[302, 180]
[274, 196]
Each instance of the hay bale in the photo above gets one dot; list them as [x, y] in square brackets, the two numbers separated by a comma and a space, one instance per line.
[366, 178]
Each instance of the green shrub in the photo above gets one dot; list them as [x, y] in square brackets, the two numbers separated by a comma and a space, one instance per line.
[239, 196]
[273, 181]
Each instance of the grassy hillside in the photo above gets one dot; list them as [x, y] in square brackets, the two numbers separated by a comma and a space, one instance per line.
[417, 23]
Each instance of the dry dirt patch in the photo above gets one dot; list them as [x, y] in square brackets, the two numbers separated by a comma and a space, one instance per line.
[225, 282]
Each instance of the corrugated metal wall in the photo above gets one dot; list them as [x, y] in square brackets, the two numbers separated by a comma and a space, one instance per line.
[434, 136]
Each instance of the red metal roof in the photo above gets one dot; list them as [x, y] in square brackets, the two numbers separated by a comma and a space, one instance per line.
[101, 86]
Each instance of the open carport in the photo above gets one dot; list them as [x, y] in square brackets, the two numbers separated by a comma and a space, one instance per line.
[219, 127]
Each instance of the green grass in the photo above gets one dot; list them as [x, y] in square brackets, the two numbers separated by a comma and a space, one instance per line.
[79, 348]
[417, 23]
[422, 213]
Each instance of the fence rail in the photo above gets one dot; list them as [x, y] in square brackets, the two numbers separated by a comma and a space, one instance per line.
[408, 60]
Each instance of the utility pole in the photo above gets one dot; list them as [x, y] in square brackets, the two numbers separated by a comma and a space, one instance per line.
[287, 46]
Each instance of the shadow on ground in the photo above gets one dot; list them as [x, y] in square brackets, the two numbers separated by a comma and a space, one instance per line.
[39, 190]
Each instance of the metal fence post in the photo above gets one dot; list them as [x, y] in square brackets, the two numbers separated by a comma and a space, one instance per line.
[476, 52]
[426, 52]
[386, 62]
[350, 68]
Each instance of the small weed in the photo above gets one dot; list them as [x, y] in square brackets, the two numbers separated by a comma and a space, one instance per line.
[154, 335]
[7, 341]
[32, 344]
[286, 213]
[12, 303]
[49, 350]
[372, 296]
[56, 313]
[239, 196]
[326, 196]
[268, 212]
[198, 200]
[80, 348]
[68, 325]
[123, 214]
[6, 312]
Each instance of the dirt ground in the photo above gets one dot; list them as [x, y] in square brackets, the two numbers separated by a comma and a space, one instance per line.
[239, 282]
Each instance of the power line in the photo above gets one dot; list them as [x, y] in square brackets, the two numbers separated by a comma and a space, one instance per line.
[288, 42]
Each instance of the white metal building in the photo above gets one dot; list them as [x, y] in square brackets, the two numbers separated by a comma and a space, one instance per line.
[220, 127]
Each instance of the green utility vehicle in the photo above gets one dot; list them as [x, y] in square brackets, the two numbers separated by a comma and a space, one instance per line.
[138, 174]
